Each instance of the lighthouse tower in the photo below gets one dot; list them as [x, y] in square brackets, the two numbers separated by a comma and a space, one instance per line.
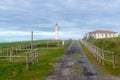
[56, 31]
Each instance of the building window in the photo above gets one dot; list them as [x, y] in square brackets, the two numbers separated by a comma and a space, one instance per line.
[102, 35]
[113, 35]
[106, 35]
[110, 35]
[98, 35]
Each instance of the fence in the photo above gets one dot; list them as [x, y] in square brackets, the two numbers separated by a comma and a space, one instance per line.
[55, 44]
[4, 51]
[100, 54]
[30, 57]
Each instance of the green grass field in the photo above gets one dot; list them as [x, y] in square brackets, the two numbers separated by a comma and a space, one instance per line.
[49, 57]
[110, 44]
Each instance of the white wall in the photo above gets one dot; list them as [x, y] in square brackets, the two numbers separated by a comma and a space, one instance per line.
[100, 35]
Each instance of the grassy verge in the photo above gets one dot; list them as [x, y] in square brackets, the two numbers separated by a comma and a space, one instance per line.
[16, 71]
[107, 68]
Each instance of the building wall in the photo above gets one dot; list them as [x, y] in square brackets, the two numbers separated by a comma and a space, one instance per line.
[101, 35]
[92, 35]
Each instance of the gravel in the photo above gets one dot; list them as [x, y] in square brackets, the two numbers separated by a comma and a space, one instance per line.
[78, 67]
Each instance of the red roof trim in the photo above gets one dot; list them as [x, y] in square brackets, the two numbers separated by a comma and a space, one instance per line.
[103, 31]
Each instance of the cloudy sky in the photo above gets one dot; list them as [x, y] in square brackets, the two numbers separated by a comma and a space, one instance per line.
[74, 17]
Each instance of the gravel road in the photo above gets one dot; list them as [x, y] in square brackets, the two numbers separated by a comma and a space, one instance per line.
[89, 70]
[74, 65]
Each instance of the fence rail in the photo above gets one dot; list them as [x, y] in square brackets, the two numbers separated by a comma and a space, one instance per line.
[100, 54]
[30, 57]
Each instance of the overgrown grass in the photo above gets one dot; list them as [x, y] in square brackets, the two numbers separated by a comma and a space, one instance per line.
[110, 44]
[16, 71]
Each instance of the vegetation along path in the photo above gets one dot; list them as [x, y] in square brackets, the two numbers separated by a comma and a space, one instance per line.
[74, 65]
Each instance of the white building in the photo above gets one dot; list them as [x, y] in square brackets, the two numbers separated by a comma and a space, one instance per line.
[101, 34]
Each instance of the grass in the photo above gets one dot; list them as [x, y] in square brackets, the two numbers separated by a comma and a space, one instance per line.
[9, 44]
[4, 47]
[12, 44]
[49, 57]
[110, 44]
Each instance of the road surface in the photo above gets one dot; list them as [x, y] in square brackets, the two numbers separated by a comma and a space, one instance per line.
[74, 65]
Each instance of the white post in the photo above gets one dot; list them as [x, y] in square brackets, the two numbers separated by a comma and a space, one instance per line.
[63, 43]
[56, 31]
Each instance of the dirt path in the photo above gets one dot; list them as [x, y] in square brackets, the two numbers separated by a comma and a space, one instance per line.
[89, 70]
[75, 66]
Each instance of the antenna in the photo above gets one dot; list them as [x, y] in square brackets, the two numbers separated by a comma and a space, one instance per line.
[56, 31]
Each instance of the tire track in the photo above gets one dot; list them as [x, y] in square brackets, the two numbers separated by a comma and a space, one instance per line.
[89, 70]
[74, 65]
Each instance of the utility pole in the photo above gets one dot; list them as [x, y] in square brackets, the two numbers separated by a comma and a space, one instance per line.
[32, 40]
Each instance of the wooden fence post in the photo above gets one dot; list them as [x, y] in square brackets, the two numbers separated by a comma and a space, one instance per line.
[97, 53]
[103, 56]
[11, 52]
[16, 49]
[113, 60]
[27, 61]
[47, 44]
[33, 62]
[37, 55]
[93, 50]
[1, 51]
[100, 53]
[7, 52]
[58, 43]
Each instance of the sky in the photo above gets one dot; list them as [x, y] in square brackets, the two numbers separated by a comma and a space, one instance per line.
[75, 18]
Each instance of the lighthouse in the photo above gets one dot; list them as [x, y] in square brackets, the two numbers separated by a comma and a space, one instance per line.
[56, 31]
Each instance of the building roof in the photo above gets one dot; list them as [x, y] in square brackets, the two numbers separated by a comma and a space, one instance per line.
[103, 31]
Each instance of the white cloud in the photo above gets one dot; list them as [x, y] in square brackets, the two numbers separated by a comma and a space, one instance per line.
[13, 33]
[15, 5]
[74, 17]
[24, 33]
[71, 3]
